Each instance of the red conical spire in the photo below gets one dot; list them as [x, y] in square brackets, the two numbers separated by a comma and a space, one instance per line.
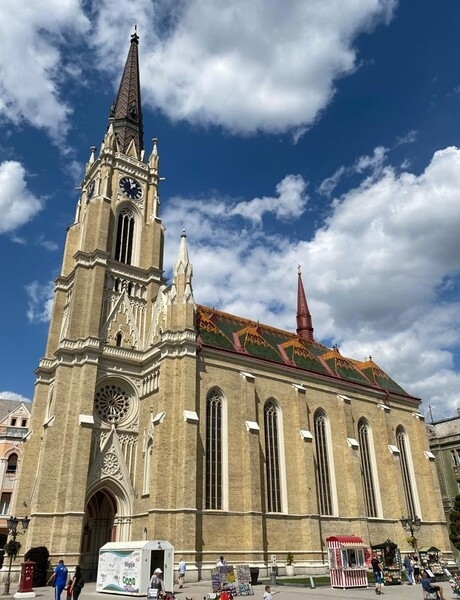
[304, 324]
[126, 113]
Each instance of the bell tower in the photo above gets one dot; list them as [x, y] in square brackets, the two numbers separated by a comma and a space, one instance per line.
[78, 477]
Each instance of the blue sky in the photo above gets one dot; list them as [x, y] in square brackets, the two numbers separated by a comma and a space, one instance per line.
[320, 133]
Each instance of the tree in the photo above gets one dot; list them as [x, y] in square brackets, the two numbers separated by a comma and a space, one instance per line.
[454, 527]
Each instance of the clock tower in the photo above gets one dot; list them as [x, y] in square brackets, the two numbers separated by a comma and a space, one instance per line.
[88, 469]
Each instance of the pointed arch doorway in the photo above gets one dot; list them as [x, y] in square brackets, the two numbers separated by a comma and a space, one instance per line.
[99, 528]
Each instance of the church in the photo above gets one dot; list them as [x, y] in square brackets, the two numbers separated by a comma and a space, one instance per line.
[157, 418]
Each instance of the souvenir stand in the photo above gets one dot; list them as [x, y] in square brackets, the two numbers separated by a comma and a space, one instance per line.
[347, 564]
[389, 555]
[430, 557]
[226, 585]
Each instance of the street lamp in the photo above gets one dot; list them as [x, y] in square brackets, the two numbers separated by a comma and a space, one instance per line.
[12, 547]
[412, 525]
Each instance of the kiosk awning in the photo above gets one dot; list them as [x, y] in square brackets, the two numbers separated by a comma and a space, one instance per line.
[387, 544]
[347, 541]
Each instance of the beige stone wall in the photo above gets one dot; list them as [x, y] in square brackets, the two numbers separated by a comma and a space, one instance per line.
[58, 476]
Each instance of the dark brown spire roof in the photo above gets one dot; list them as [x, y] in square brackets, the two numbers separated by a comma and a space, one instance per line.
[126, 113]
[304, 323]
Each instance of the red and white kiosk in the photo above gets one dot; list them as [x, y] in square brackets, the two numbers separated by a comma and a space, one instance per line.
[347, 561]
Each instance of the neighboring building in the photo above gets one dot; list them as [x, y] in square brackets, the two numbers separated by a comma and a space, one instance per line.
[14, 425]
[444, 439]
[157, 418]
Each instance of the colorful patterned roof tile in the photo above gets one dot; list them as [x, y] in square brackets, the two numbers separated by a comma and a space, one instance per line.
[343, 367]
[227, 332]
[295, 353]
[375, 374]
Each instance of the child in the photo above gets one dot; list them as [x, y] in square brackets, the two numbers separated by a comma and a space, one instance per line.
[68, 589]
[268, 594]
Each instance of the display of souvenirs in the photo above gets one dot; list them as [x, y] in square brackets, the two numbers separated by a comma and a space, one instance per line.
[388, 554]
[225, 585]
[431, 558]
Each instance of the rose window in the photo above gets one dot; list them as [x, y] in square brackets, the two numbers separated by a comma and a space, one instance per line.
[110, 464]
[111, 403]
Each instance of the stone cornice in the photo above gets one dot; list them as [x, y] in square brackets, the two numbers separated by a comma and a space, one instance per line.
[137, 274]
[178, 343]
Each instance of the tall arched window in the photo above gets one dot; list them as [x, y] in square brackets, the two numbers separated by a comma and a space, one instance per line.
[402, 443]
[272, 457]
[148, 465]
[125, 236]
[367, 467]
[323, 470]
[214, 450]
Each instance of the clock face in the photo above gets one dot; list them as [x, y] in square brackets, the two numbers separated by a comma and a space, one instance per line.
[131, 188]
[90, 189]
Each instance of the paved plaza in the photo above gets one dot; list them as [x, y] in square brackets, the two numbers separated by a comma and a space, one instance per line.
[199, 591]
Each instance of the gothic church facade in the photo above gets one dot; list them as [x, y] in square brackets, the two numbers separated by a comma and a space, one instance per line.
[157, 418]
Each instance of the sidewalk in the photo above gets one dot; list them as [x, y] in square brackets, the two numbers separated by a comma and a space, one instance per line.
[199, 591]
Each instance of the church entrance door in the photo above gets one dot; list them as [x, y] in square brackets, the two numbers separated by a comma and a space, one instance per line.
[98, 530]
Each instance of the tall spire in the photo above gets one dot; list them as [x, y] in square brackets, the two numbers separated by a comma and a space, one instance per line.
[304, 324]
[126, 112]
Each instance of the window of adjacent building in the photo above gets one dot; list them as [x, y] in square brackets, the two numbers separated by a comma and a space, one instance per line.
[13, 421]
[214, 450]
[367, 471]
[125, 236]
[323, 469]
[24, 423]
[272, 457]
[12, 463]
[5, 503]
[402, 442]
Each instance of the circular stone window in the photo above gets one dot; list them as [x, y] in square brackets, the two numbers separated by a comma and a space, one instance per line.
[112, 404]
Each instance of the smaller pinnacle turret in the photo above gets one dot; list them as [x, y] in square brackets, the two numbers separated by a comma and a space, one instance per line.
[304, 323]
[182, 274]
[126, 112]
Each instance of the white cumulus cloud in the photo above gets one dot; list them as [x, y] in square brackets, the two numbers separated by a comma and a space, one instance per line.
[17, 204]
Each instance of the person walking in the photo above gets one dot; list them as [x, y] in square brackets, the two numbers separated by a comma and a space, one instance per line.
[181, 568]
[77, 583]
[68, 590]
[416, 569]
[59, 579]
[378, 574]
[221, 562]
[409, 569]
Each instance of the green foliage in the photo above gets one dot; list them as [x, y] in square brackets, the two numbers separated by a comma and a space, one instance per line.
[40, 556]
[454, 527]
[290, 558]
[12, 548]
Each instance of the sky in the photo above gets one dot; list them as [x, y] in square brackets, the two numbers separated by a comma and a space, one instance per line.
[319, 133]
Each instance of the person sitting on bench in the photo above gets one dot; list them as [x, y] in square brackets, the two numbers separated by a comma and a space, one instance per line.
[429, 587]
